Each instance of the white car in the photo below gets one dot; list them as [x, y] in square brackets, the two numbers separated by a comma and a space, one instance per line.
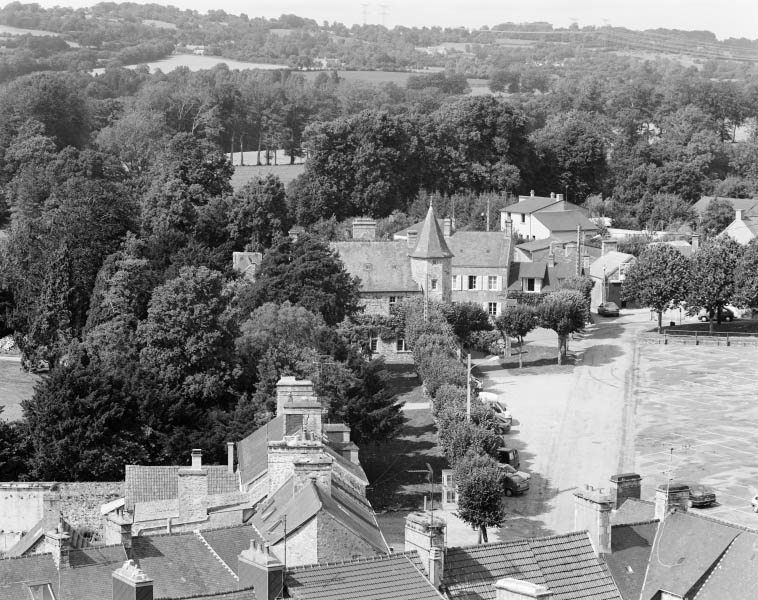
[754, 502]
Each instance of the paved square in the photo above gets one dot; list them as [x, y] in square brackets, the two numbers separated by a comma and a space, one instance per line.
[696, 416]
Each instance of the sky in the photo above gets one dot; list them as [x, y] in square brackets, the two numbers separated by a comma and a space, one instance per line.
[727, 18]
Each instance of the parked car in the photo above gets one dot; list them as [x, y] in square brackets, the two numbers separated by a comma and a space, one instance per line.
[508, 456]
[503, 417]
[701, 495]
[509, 469]
[608, 309]
[513, 483]
[727, 314]
[754, 502]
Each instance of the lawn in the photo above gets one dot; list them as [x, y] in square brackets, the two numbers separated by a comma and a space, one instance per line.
[15, 386]
[538, 359]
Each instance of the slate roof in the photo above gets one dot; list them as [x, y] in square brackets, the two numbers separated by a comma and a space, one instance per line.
[528, 269]
[431, 243]
[735, 575]
[150, 483]
[392, 577]
[566, 564]
[479, 249]
[529, 205]
[564, 220]
[630, 552]
[15, 573]
[228, 542]
[252, 452]
[633, 511]
[744, 204]
[381, 266]
[349, 466]
[686, 547]
[611, 261]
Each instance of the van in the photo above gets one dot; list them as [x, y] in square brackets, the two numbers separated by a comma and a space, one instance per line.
[508, 456]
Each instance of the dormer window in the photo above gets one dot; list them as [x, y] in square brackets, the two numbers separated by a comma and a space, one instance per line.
[433, 284]
[41, 591]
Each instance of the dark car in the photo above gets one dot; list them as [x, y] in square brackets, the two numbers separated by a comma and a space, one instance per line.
[513, 483]
[608, 309]
[701, 495]
[727, 314]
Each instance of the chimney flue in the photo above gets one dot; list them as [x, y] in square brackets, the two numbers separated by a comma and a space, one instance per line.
[131, 583]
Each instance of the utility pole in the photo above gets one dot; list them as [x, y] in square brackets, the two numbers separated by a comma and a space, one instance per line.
[468, 389]
[578, 250]
[488, 213]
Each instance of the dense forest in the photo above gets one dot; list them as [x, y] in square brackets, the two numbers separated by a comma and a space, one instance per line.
[118, 218]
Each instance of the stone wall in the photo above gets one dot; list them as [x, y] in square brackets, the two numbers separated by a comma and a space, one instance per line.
[302, 548]
[336, 542]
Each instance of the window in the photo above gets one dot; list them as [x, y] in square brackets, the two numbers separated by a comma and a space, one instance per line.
[400, 345]
[492, 282]
[523, 218]
[373, 343]
[492, 309]
[472, 282]
[529, 284]
[433, 284]
[393, 302]
[455, 282]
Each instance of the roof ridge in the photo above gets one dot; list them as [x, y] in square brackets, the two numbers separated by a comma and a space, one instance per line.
[520, 540]
[206, 594]
[716, 565]
[635, 523]
[352, 561]
[214, 553]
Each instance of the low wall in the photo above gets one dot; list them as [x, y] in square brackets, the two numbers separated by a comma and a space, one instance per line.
[698, 340]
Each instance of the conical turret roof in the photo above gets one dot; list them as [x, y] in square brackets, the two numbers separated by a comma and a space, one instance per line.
[431, 243]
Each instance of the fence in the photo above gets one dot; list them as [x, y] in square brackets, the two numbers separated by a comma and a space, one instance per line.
[701, 338]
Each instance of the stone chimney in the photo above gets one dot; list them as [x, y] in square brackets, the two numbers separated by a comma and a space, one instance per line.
[131, 583]
[559, 197]
[364, 229]
[350, 452]
[670, 497]
[317, 469]
[282, 456]
[117, 529]
[296, 400]
[738, 214]
[517, 589]
[261, 570]
[57, 543]
[695, 242]
[624, 486]
[608, 246]
[412, 238]
[192, 488]
[508, 229]
[447, 227]
[424, 535]
[230, 457]
[592, 511]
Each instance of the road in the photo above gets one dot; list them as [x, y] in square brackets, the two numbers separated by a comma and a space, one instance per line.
[573, 424]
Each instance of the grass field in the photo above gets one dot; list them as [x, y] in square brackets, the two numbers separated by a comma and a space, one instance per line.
[15, 386]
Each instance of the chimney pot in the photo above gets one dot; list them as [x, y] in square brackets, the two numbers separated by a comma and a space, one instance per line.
[364, 229]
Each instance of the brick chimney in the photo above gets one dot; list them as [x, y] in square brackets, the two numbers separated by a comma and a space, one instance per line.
[447, 227]
[608, 246]
[364, 229]
[695, 242]
[193, 487]
[316, 469]
[296, 400]
[592, 511]
[131, 583]
[230, 457]
[261, 570]
[425, 536]
[57, 543]
[117, 529]
[624, 486]
[670, 497]
[412, 238]
[517, 589]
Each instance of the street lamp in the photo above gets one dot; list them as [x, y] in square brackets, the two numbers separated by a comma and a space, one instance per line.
[468, 388]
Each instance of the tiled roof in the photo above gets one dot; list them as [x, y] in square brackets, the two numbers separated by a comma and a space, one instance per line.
[744, 204]
[611, 262]
[228, 542]
[685, 549]
[150, 483]
[246, 594]
[381, 266]
[181, 565]
[564, 220]
[630, 547]
[530, 204]
[252, 452]
[245, 173]
[479, 249]
[735, 575]
[431, 243]
[392, 577]
[565, 564]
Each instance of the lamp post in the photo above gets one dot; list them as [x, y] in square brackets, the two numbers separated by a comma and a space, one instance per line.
[468, 388]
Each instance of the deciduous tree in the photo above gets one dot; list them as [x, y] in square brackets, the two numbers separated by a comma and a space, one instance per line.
[564, 312]
[480, 493]
[516, 321]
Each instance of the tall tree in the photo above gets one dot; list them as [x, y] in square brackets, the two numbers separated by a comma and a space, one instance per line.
[746, 277]
[480, 493]
[516, 321]
[258, 214]
[564, 312]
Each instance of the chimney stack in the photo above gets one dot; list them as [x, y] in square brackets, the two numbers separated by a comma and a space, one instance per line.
[508, 229]
[517, 589]
[608, 246]
[623, 487]
[364, 229]
[317, 468]
[131, 583]
[425, 534]
[559, 198]
[592, 511]
[117, 529]
[57, 543]
[261, 570]
[412, 238]
[738, 214]
[193, 487]
[695, 242]
[531, 193]
[447, 227]
[297, 401]
[670, 497]
[230, 457]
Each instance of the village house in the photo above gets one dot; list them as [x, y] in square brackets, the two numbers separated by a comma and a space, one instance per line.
[540, 217]
[744, 227]
[608, 273]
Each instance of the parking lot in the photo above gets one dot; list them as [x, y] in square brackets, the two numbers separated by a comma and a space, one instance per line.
[696, 417]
